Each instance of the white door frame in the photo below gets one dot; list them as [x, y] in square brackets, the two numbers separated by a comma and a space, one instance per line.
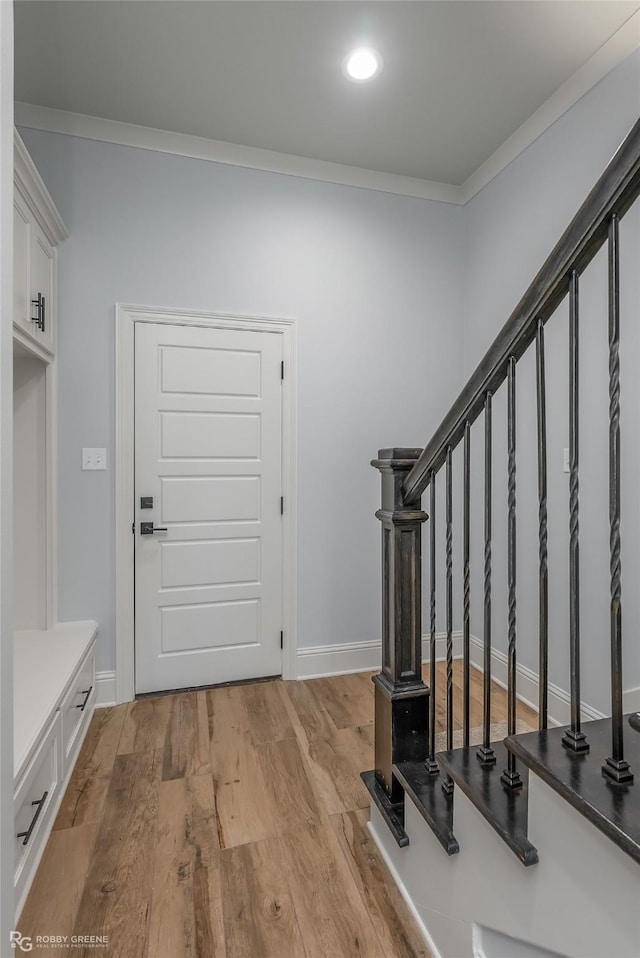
[126, 318]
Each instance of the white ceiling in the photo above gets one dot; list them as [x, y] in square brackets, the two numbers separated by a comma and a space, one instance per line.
[458, 79]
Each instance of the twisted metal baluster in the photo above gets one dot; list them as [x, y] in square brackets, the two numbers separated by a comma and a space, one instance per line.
[510, 776]
[466, 584]
[574, 738]
[447, 784]
[615, 767]
[543, 572]
[432, 765]
[485, 753]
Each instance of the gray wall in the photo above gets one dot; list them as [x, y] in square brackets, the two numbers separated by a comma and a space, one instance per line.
[510, 228]
[388, 333]
[371, 279]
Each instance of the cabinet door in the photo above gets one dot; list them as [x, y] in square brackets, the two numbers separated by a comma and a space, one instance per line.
[21, 245]
[42, 266]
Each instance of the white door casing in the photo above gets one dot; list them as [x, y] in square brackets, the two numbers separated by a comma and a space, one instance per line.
[208, 450]
[127, 319]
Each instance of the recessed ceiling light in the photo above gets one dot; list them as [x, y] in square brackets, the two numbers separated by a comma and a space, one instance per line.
[362, 64]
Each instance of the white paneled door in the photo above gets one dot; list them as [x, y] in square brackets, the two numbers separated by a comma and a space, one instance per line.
[208, 579]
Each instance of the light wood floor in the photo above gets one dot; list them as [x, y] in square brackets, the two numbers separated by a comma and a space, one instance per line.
[228, 823]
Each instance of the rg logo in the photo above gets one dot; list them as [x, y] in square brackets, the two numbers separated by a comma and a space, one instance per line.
[20, 941]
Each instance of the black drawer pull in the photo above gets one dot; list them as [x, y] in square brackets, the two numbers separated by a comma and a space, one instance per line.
[25, 836]
[86, 693]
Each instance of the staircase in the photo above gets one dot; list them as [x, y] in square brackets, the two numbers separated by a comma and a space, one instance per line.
[562, 801]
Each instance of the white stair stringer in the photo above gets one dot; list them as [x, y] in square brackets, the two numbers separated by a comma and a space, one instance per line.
[581, 899]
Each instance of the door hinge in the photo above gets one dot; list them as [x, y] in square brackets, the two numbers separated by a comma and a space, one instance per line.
[281, 505]
[133, 528]
[282, 369]
[282, 640]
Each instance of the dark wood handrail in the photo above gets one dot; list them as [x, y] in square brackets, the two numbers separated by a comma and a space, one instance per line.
[614, 192]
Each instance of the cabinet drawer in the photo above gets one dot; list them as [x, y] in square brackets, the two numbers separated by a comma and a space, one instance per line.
[35, 800]
[77, 705]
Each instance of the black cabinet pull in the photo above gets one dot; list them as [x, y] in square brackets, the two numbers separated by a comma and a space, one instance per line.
[25, 836]
[86, 693]
[38, 319]
[40, 316]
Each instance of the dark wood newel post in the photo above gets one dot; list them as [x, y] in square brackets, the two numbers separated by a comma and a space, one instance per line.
[401, 697]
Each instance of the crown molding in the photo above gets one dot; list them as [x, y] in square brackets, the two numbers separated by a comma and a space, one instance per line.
[623, 42]
[35, 193]
[199, 148]
[613, 52]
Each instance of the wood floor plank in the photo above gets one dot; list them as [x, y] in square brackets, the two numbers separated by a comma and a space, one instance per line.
[52, 905]
[268, 715]
[395, 926]
[84, 798]
[117, 892]
[287, 773]
[145, 725]
[259, 915]
[306, 713]
[336, 762]
[186, 905]
[346, 698]
[243, 796]
[331, 914]
[186, 743]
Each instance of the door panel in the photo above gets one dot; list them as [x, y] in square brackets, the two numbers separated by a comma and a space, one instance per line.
[210, 435]
[213, 625]
[208, 450]
[211, 372]
[217, 562]
[219, 499]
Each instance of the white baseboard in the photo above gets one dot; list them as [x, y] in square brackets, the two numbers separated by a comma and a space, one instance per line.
[105, 689]
[323, 660]
[527, 685]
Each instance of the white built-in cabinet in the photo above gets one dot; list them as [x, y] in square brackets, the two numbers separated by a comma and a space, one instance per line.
[37, 230]
[54, 663]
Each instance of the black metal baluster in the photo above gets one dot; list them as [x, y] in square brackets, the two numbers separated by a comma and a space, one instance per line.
[449, 506]
[466, 584]
[432, 765]
[447, 783]
[485, 752]
[543, 571]
[574, 738]
[510, 775]
[615, 767]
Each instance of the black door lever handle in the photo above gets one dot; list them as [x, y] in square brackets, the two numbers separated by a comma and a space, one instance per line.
[148, 528]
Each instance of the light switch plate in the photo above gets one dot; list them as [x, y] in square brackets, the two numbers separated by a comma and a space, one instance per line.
[94, 458]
